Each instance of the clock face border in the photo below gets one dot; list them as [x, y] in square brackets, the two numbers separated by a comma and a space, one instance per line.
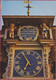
[27, 48]
[33, 57]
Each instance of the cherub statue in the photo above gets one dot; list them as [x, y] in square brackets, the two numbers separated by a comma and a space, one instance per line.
[45, 29]
[11, 30]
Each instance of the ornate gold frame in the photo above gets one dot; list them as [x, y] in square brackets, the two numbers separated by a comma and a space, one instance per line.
[18, 48]
[19, 34]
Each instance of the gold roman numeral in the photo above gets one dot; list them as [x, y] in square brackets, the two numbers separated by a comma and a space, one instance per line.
[27, 73]
[22, 72]
[18, 57]
[17, 67]
[34, 72]
[38, 67]
[28, 52]
[16, 62]
[39, 62]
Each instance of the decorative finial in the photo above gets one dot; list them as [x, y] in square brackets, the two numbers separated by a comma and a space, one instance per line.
[28, 11]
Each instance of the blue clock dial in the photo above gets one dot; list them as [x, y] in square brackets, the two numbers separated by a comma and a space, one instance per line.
[28, 63]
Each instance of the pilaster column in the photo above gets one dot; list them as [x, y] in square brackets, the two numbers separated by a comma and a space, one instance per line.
[46, 50]
[5, 35]
[51, 36]
[10, 61]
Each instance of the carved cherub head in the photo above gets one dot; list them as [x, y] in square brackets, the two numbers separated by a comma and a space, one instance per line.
[44, 24]
[12, 25]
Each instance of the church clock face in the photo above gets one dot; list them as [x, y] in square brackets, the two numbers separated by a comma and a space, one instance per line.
[28, 63]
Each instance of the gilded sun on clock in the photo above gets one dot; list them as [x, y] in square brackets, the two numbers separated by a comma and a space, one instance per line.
[28, 63]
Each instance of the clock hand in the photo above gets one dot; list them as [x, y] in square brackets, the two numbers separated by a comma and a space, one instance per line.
[26, 59]
[26, 66]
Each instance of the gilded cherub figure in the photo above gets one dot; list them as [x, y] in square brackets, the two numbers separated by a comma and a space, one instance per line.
[45, 29]
[11, 30]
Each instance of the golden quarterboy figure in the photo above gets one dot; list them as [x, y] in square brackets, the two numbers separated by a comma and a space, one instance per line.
[11, 30]
[45, 29]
